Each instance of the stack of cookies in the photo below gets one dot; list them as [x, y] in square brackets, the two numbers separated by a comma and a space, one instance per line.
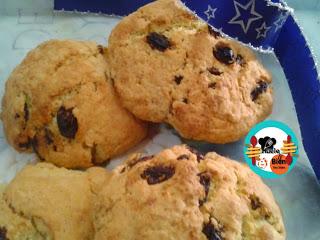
[176, 194]
[77, 104]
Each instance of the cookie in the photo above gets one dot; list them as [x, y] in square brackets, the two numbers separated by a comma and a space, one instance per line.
[169, 66]
[45, 202]
[60, 103]
[180, 194]
[12, 225]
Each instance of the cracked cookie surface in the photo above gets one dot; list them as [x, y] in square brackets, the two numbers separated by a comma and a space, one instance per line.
[180, 194]
[12, 225]
[60, 103]
[46, 202]
[168, 66]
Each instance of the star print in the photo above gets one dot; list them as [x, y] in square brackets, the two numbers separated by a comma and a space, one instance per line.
[210, 12]
[280, 21]
[245, 15]
[262, 31]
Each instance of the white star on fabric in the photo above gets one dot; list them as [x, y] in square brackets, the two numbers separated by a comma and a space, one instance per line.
[238, 18]
[262, 31]
[210, 12]
[280, 22]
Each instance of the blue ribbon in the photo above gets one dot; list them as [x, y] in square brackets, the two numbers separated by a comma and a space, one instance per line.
[254, 22]
[263, 24]
[298, 64]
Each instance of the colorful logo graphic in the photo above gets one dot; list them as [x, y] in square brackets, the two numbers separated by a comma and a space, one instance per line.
[271, 149]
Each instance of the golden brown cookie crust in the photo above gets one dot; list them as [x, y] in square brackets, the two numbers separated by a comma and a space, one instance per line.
[166, 68]
[12, 225]
[60, 102]
[58, 202]
[180, 194]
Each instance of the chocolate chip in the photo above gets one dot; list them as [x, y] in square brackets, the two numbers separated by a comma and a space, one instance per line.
[67, 122]
[261, 88]
[16, 116]
[255, 202]
[112, 81]
[240, 60]
[205, 182]
[26, 112]
[213, 32]
[214, 71]
[93, 154]
[211, 232]
[185, 100]
[25, 145]
[178, 79]
[3, 233]
[158, 174]
[224, 54]
[35, 145]
[202, 201]
[183, 156]
[197, 153]
[100, 49]
[158, 41]
[139, 160]
[267, 215]
[48, 136]
[212, 85]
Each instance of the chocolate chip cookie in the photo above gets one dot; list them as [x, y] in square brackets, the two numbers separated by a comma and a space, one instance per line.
[169, 66]
[181, 194]
[60, 103]
[45, 202]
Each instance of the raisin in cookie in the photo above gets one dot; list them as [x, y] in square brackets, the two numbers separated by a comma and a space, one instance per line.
[60, 102]
[168, 66]
[180, 194]
[45, 202]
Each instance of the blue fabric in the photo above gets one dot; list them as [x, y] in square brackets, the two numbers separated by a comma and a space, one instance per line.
[298, 64]
[257, 23]
[252, 22]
